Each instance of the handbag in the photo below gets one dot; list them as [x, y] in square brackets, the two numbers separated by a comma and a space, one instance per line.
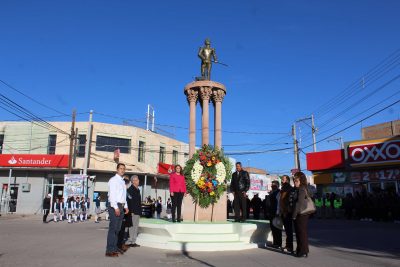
[309, 206]
[277, 222]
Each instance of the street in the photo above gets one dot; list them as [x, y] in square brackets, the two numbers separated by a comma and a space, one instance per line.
[26, 241]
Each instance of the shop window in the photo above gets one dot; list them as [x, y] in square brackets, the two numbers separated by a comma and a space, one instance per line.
[141, 152]
[51, 149]
[110, 144]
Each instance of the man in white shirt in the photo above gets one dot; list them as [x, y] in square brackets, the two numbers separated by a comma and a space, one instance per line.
[117, 207]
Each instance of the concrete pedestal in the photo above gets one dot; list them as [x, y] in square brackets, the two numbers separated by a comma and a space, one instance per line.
[192, 212]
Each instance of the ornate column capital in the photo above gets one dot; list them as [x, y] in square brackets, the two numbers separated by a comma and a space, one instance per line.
[205, 93]
[218, 95]
[192, 95]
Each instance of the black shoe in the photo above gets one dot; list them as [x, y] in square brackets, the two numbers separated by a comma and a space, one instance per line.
[134, 245]
[303, 255]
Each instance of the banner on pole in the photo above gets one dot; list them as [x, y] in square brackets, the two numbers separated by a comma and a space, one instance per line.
[74, 185]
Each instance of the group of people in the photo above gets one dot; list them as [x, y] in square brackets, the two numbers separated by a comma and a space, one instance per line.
[377, 206]
[285, 203]
[124, 210]
[74, 209]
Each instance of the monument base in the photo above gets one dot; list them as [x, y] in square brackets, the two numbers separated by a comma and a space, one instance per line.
[214, 213]
[190, 236]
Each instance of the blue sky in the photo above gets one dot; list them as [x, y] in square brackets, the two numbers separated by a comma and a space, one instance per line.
[286, 60]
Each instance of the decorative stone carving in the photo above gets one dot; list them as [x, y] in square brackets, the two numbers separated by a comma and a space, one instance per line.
[192, 95]
[218, 95]
[205, 93]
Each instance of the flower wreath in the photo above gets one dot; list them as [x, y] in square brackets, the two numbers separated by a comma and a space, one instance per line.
[206, 174]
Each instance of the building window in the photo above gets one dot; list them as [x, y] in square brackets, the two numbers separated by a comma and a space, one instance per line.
[51, 149]
[174, 157]
[162, 154]
[186, 156]
[1, 143]
[110, 144]
[81, 146]
[141, 151]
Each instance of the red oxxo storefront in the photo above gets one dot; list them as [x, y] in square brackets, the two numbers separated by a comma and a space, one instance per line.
[369, 164]
[26, 178]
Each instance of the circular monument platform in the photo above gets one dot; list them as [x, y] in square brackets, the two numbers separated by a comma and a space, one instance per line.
[203, 236]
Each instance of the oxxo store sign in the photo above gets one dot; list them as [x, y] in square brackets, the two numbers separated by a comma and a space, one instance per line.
[374, 153]
[34, 160]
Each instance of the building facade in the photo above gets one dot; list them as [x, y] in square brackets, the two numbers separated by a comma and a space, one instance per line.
[30, 168]
[369, 165]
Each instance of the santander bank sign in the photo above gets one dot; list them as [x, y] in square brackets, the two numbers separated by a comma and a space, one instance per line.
[374, 152]
[33, 160]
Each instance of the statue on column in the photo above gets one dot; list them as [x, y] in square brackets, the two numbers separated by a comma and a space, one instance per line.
[206, 54]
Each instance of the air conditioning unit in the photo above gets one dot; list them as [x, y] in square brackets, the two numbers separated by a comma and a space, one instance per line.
[26, 187]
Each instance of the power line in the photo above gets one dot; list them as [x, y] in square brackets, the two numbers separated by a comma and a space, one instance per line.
[348, 127]
[29, 115]
[32, 99]
[392, 59]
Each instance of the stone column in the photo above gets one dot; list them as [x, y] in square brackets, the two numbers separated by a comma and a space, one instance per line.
[192, 95]
[205, 94]
[218, 96]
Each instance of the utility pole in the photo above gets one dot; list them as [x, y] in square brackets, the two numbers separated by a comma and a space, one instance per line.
[87, 158]
[338, 140]
[313, 133]
[75, 149]
[88, 143]
[313, 129]
[71, 141]
[296, 148]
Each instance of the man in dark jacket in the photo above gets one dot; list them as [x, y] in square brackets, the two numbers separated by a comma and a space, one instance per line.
[273, 211]
[135, 208]
[240, 184]
[46, 207]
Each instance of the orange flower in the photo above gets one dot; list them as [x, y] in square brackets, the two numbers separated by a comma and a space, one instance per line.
[209, 163]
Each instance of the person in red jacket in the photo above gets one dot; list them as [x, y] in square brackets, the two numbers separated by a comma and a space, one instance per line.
[177, 188]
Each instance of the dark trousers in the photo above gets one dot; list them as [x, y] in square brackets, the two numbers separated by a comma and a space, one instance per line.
[177, 205]
[239, 204]
[45, 213]
[288, 224]
[276, 234]
[301, 225]
[121, 233]
[114, 228]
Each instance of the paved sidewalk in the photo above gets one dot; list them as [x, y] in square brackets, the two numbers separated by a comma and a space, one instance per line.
[26, 241]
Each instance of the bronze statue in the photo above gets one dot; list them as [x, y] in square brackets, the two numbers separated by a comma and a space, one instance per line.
[206, 53]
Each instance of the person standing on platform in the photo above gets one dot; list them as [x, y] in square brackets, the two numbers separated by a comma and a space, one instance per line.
[46, 207]
[256, 206]
[117, 200]
[274, 210]
[135, 208]
[240, 184]
[286, 209]
[177, 188]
